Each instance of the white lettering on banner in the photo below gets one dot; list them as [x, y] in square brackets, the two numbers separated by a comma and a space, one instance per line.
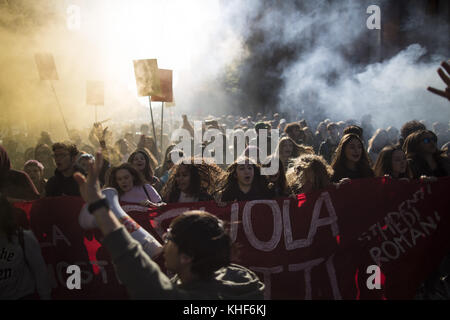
[315, 223]
[234, 221]
[401, 230]
[333, 279]
[277, 225]
[307, 267]
[267, 278]
[57, 234]
[281, 222]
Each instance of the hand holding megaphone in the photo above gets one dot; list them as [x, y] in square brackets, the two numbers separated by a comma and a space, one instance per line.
[87, 221]
[90, 191]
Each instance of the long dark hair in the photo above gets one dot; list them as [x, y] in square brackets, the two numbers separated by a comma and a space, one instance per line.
[150, 144]
[411, 146]
[384, 162]
[417, 164]
[339, 161]
[8, 224]
[204, 177]
[5, 163]
[165, 165]
[138, 178]
[148, 170]
[298, 149]
[281, 184]
[229, 187]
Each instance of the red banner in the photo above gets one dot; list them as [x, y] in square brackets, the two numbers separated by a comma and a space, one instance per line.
[319, 246]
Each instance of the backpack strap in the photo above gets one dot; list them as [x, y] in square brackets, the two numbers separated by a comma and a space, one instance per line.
[146, 193]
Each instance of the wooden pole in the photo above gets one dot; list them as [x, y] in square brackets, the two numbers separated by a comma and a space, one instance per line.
[162, 124]
[153, 124]
[60, 110]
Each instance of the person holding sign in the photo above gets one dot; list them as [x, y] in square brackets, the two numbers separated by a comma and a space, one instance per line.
[196, 248]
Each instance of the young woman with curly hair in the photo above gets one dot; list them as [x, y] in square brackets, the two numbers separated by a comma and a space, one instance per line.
[191, 182]
[308, 173]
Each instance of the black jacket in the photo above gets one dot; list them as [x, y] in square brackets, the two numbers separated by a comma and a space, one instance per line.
[59, 185]
[327, 150]
[144, 280]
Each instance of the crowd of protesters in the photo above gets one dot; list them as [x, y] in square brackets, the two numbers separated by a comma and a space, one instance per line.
[137, 168]
[310, 157]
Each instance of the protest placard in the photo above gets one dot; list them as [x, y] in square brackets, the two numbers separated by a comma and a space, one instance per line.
[46, 66]
[147, 77]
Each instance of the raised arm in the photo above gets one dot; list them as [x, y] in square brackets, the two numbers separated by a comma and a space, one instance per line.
[141, 276]
[446, 78]
[90, 191]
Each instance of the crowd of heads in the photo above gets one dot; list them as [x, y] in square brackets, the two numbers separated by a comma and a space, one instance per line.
[307, 160]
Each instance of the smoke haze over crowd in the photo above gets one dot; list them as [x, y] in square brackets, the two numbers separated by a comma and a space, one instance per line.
[307, 59]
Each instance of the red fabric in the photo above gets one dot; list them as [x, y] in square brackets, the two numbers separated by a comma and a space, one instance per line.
[271, 238]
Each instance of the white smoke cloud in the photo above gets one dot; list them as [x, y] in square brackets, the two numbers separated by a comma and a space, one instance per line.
[393, 92]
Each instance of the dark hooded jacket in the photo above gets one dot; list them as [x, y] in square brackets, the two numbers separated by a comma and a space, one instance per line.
[144, 279]
[59, 185]
[13, 183]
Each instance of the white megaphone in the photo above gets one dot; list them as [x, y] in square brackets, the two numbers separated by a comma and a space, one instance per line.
[87, 221]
